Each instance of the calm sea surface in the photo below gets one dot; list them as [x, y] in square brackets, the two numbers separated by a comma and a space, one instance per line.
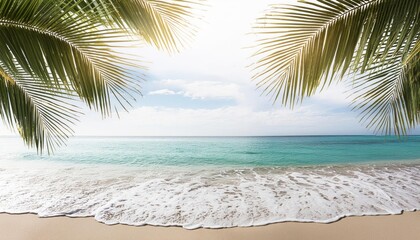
[225, 151]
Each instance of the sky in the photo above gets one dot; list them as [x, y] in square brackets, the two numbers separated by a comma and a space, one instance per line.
[206, 89]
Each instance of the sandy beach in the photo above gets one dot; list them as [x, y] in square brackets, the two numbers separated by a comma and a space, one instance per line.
[31, 227]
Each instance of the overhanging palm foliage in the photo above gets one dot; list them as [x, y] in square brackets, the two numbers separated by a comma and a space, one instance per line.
[54, 51]
[43, 115]
[163, 23]
[306, 46]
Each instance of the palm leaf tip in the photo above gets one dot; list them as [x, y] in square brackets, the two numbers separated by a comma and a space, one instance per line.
[166, 24]
[43, 116]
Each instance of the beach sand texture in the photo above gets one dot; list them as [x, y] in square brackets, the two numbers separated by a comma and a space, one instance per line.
[31, 227]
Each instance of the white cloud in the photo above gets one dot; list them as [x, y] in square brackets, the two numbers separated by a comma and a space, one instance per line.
[234, 121]
[200, 89]
[337, 94]
[162, 92]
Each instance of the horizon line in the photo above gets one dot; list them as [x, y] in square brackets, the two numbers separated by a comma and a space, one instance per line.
[227, 136]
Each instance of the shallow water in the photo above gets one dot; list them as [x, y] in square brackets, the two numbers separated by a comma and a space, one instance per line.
[224, 151]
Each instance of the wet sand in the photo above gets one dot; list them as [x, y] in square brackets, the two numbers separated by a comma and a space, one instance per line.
[31, 227]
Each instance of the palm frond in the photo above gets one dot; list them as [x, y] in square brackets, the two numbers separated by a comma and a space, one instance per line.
[413, 53]
[51, 54]
[164, 23]
[43, 115]
[306, 46]
[64, 49]
[388, 96]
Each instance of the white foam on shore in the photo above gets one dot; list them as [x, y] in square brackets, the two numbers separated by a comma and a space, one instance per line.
[210, 198]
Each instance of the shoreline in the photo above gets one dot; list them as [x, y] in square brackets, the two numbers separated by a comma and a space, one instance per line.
[30, 226]
[330, 221]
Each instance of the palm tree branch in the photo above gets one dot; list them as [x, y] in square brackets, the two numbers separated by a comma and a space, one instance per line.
[388, 96]
[81, 51]
[314, 41]
[166, 24]
[42, 115]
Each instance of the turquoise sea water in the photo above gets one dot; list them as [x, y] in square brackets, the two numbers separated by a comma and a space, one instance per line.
[228, 151]
[213, 182]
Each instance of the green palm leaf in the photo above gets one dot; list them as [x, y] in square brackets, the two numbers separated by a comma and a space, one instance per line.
[42, 115]
[61, 49]
[305, 46]
[388, 95]
[164, 23]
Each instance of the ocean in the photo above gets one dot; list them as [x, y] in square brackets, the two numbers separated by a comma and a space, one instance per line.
[213, 182]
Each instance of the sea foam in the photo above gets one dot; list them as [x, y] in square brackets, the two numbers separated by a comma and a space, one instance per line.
[208, 197]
